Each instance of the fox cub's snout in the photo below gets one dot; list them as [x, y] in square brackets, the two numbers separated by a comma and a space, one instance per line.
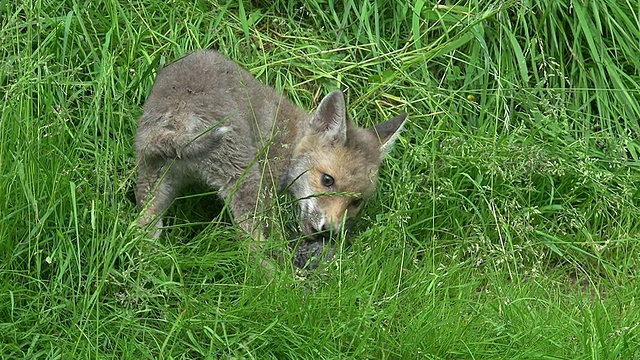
[208, 120]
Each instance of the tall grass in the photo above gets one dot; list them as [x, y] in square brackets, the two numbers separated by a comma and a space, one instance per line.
[506, 223]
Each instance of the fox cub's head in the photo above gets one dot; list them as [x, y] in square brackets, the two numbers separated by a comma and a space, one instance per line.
[335, 165]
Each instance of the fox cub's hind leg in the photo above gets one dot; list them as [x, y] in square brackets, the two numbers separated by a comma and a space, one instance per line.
[168, 148]
[156, 188]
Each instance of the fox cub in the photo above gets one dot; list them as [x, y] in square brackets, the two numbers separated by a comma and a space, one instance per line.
[208, 120]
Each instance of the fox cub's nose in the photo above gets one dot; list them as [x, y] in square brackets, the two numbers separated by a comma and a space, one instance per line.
[327, 228]
[324, 228]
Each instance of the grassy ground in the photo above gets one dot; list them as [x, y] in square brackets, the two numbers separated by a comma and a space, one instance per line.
[507, 219]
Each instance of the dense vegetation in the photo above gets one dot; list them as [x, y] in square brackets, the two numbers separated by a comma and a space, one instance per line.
[506, 222]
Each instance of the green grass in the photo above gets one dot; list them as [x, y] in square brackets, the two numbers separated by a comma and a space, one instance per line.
[506, 222]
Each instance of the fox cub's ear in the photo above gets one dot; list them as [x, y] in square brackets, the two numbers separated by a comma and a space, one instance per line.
[388, 131]
[330, 119]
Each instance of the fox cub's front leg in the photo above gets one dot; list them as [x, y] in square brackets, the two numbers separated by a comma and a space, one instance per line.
[248, 200]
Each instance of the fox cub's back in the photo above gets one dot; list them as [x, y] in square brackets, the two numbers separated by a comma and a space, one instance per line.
[209, 86]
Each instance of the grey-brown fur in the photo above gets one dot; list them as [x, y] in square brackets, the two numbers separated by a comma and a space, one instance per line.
[208, 120]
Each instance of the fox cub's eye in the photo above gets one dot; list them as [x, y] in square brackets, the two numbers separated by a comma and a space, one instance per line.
[327, 180]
